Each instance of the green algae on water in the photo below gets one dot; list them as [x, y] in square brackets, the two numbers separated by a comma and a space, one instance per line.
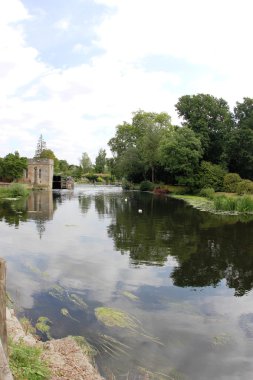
[115, 318]
[43, 326]
[57, 292]
[65, 313]
[130, 295]
[78, 301]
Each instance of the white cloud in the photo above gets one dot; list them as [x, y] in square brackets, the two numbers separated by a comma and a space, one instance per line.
[63, 24]
[78, 107]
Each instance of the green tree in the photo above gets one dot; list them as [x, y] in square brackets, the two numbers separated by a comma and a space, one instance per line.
[41, 145]
[130, 165]
[180, 153]
[151, 129]
[211, 176]
[240, 143]
[100, 161]
[85, 163]
[212, 121]
[12, 166]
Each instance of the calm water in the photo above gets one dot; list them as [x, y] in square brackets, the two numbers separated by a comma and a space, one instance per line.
[183, 276]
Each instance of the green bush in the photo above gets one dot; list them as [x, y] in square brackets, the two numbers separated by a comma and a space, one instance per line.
[146, 186]
[207, 192]
[211, 176]
[230, 182]
[18, 190]
[126, 185]
[244, 187]
[99, 179]
[25, 362]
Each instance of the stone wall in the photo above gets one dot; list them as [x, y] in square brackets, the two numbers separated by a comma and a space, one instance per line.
[40, 172]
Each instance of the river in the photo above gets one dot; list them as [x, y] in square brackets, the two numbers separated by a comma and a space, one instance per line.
[182, 277]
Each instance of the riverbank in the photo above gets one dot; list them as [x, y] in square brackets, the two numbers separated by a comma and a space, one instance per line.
[64, 358]
[220, 203]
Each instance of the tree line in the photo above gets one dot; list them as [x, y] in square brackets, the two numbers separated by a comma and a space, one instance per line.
[211, 141]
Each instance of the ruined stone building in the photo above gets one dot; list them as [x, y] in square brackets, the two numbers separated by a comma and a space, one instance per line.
[39, 172]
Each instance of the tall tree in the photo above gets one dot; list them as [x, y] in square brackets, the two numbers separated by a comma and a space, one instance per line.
[85, 163]
[41, 145]
[211, 119]
[240, 142]
[100, 161]
[180, 153]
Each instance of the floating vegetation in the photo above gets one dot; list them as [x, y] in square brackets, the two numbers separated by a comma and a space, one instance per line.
[130, 295]
[57, 292]
[37, 271]
[221, 339]
[115, 318]
[78, 301]
[118, 318]
[43, 326]
[27, 326]
[86, 347]
[65, 313]
[111, 346]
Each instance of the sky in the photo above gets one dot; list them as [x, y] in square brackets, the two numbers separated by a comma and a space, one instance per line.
[72, 70]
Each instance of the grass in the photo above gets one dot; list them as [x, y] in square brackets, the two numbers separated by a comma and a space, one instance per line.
[26, 363]
[221, 203]
[15, 190]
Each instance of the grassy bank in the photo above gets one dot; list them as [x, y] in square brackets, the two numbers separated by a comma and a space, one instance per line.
[221, 203]
[15, 190]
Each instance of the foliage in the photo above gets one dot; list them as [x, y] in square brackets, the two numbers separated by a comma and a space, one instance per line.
[17, 190]
[87, 348]
[210, 119]
[115, 318]
[146, 186]
[207, 192]
[230, 182]
[239, 204]
[100, 161]
[211, 175]
[27, 326]
[12, 167]
[85, 163]
[240, 142]
[130, 165]
[25, 362]
[180, 153]
[41, 145]
[244, 187]
[43, 326]
[126, 185]
[136, 145]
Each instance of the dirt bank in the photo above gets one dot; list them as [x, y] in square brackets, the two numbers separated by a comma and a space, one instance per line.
[65, 358]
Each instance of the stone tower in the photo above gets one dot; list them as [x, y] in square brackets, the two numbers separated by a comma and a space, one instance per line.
[40, 172]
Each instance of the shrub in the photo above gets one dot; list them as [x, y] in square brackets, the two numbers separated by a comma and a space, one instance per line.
[126, 185]
[146, 186]
[211, 176]
[244, 187]
[230, 182]
[99, 179]
[16, 190]
[161, 191]
[207, 192]
[25, 362]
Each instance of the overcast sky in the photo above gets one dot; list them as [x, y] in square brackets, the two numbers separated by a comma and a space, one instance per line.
[74, 69]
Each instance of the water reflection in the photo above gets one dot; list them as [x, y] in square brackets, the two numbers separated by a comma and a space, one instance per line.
[170, 267]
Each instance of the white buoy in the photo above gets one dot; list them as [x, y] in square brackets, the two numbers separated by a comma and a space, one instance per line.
[140, 211]
[125, 199]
